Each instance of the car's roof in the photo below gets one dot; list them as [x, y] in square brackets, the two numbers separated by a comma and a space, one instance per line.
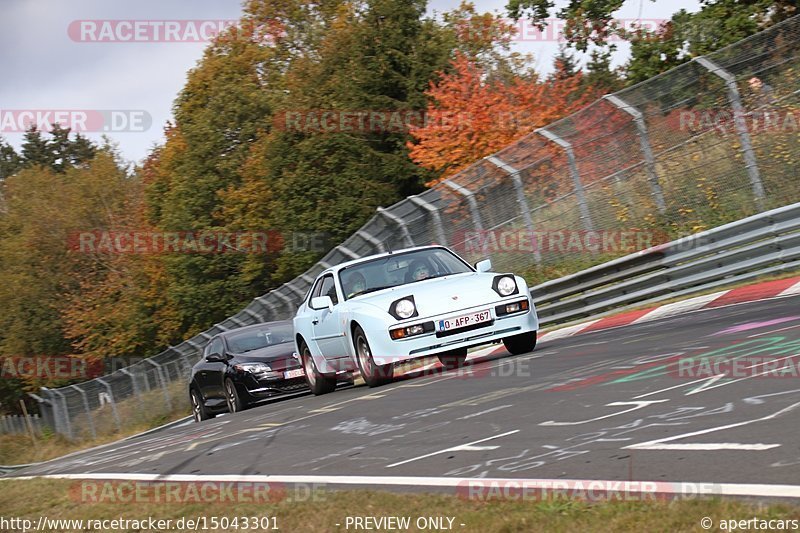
[378, 256]
[255, 326]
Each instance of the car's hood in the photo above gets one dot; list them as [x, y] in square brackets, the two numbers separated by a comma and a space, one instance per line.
[270, 353]
[439, 295]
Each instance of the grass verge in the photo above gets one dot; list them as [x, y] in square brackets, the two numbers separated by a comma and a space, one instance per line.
[60, 499]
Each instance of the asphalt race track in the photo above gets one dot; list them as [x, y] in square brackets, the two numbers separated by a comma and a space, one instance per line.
[609, 405]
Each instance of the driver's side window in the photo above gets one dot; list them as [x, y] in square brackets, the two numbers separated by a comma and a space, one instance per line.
[326, 287]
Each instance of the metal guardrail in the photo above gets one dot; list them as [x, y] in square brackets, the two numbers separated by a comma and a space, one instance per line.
[767, 243]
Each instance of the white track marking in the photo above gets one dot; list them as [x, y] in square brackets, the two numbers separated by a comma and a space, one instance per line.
[479, 413]
[470, 446]
[666, 487]
[566, 332]
[658, 443]
[637, 405]
[794, 289]
[679, 307]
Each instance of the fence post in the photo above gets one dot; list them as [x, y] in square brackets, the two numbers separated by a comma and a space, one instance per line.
[644, 144]
[576, 177]
[741, 127]
[400, 222]
[86, 408]
[521, 200]
[474, 212]
[46, 409]
[162, 382]
[136, 391]
[112, 402]
[367, 236]
[437, 219]
[64, 412]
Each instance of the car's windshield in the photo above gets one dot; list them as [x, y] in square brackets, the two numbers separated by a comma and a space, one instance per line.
[259, 337]
[399, 269]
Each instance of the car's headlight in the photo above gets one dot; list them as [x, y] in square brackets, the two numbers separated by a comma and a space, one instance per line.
[505, 285]
[403, 308]
[253, 368]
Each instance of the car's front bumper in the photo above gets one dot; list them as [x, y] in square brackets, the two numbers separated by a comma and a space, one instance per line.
[386, 350]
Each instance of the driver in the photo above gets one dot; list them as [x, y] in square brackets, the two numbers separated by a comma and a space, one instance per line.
[419, 270]
[355, 284]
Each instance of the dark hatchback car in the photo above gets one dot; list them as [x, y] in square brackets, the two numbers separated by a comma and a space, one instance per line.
[243, 366]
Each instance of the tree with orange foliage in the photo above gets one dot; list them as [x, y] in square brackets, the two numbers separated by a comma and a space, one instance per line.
[473, 113]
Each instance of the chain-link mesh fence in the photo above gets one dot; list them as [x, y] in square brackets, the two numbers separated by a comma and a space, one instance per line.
[709, 142]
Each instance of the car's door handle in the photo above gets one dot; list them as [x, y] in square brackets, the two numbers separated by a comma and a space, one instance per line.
[315, 321]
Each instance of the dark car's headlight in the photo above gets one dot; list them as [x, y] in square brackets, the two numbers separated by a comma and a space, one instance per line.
[505, 285]
[403, 308]
[253, 368]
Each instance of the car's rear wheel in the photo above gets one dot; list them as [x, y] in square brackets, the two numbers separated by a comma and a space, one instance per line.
[199, 411]
[235, 403]
[453, 358]
[318, 382]
[374, 374]
[522, 343]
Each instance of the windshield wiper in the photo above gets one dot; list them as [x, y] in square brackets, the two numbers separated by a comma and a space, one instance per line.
[373, 289]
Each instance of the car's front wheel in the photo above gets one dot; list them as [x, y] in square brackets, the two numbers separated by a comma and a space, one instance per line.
[318, 382]
[199, 411]
[374, 374]
[522, 343]
[453, 358]
[235, 403]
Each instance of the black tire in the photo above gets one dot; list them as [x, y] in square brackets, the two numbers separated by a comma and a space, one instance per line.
[374, 375]
[199, 411]
[453, 358]
[318, 382]
[234, 401]
[522, 343]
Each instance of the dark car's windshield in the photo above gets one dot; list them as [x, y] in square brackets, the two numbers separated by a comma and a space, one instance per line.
[259, 337]
[399, 269]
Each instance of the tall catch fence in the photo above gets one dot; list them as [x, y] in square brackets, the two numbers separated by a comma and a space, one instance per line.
[712, 141]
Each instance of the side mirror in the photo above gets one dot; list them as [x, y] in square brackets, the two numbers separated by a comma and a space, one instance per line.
[215, 357]
[321, 302]
[484, 266]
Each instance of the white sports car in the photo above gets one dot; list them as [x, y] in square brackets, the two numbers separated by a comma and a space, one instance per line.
[373, 312]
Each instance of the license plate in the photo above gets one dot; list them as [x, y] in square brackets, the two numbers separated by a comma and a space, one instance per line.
[465, 320]
[289, 374]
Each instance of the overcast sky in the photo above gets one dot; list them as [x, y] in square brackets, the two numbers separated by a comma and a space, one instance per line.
[50, 63]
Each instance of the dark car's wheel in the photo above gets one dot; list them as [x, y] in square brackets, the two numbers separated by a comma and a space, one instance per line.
[522, 343]
[235, 403]
[199, 411]
[374, 374]
[453, 358]
[318, 382]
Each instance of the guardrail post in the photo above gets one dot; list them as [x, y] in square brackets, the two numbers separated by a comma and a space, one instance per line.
[521, 200]
[741, 127]
[580, 194]
[113, 402]
[86, 408]
[437, 219]
[46, 409]
[162, 382]
[400, 222]
[265, 301]
[644, 144]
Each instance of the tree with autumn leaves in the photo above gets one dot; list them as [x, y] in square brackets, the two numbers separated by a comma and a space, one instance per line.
[473, 114]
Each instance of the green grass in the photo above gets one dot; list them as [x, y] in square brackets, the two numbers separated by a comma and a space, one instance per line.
[60, 499]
